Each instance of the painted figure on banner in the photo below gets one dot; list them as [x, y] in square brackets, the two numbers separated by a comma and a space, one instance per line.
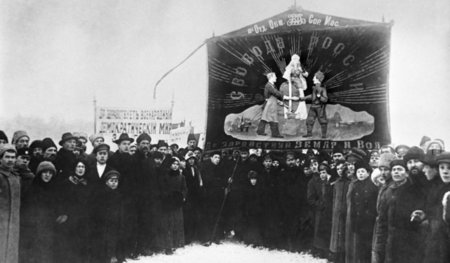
[274, 99]
[295, 86]
[317, 110]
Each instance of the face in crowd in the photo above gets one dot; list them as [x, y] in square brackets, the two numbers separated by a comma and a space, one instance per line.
[158, 161]
[8, 159]
[22, 142]
[323, 173]
[338, 156]
[50, 154]
[102, 156]
[215, 159]
[124, 146]
[69, 145]
[314, 165]
[362, 174]
[132, 149]
[175, 166]
[23, 160]
[276, 163]
[341, 170]
[47, 176]
[37, 152]
[144, 146]
[80, 169]
[374, 159]
[112, 182]
[430, 171]
[385, 172]
[414, 166]
[444, 172]
[98, 141]
[163, 150]
[290, 161]
[244, 155]
[191, 144]
[398, 173]
[267, 163]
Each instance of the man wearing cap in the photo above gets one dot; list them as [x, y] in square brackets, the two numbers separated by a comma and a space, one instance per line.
[49, 150]
[398, 238]
[191, 144]
[12, 185]
[414, 164]
[95, 139]
[21, 139]
[65, 158]
[122, 161]
[100, 167]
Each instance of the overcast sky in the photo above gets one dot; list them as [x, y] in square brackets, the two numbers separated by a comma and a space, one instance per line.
[56, 55]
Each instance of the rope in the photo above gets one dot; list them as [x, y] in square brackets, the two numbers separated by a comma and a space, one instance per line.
[172, 69]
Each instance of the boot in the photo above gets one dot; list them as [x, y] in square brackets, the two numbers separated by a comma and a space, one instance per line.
[274, 130]
[261, 128]
[324, 128]
[309, 128]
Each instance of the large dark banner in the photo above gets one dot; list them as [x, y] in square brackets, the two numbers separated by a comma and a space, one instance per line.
[353, 55]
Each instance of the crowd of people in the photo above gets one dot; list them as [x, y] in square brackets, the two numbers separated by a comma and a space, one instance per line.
[346, 205]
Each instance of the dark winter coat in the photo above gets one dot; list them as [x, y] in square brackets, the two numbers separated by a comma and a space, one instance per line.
[320, 199]
[339, 214]
[64, 163]
[106, 224]
[272, 207]
[437, 238]
[398, 239]
[361, 214]
[171, 222]
[12, 186]
[253, 210]
[75, 198]
[193, 219]
[41, 208]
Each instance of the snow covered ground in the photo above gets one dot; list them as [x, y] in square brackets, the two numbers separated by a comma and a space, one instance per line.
[228, 253]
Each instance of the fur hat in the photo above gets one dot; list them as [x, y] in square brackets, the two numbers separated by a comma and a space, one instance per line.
[397, 162]
[414, 153]
[94, 137]
[19, 134]
[45, 166]
[36, 144]
[7, 148]
[48, 143]
[363, 165]
[443, 158]
[3, 136]
[191, 137]
[143, 136]
[385, 160]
